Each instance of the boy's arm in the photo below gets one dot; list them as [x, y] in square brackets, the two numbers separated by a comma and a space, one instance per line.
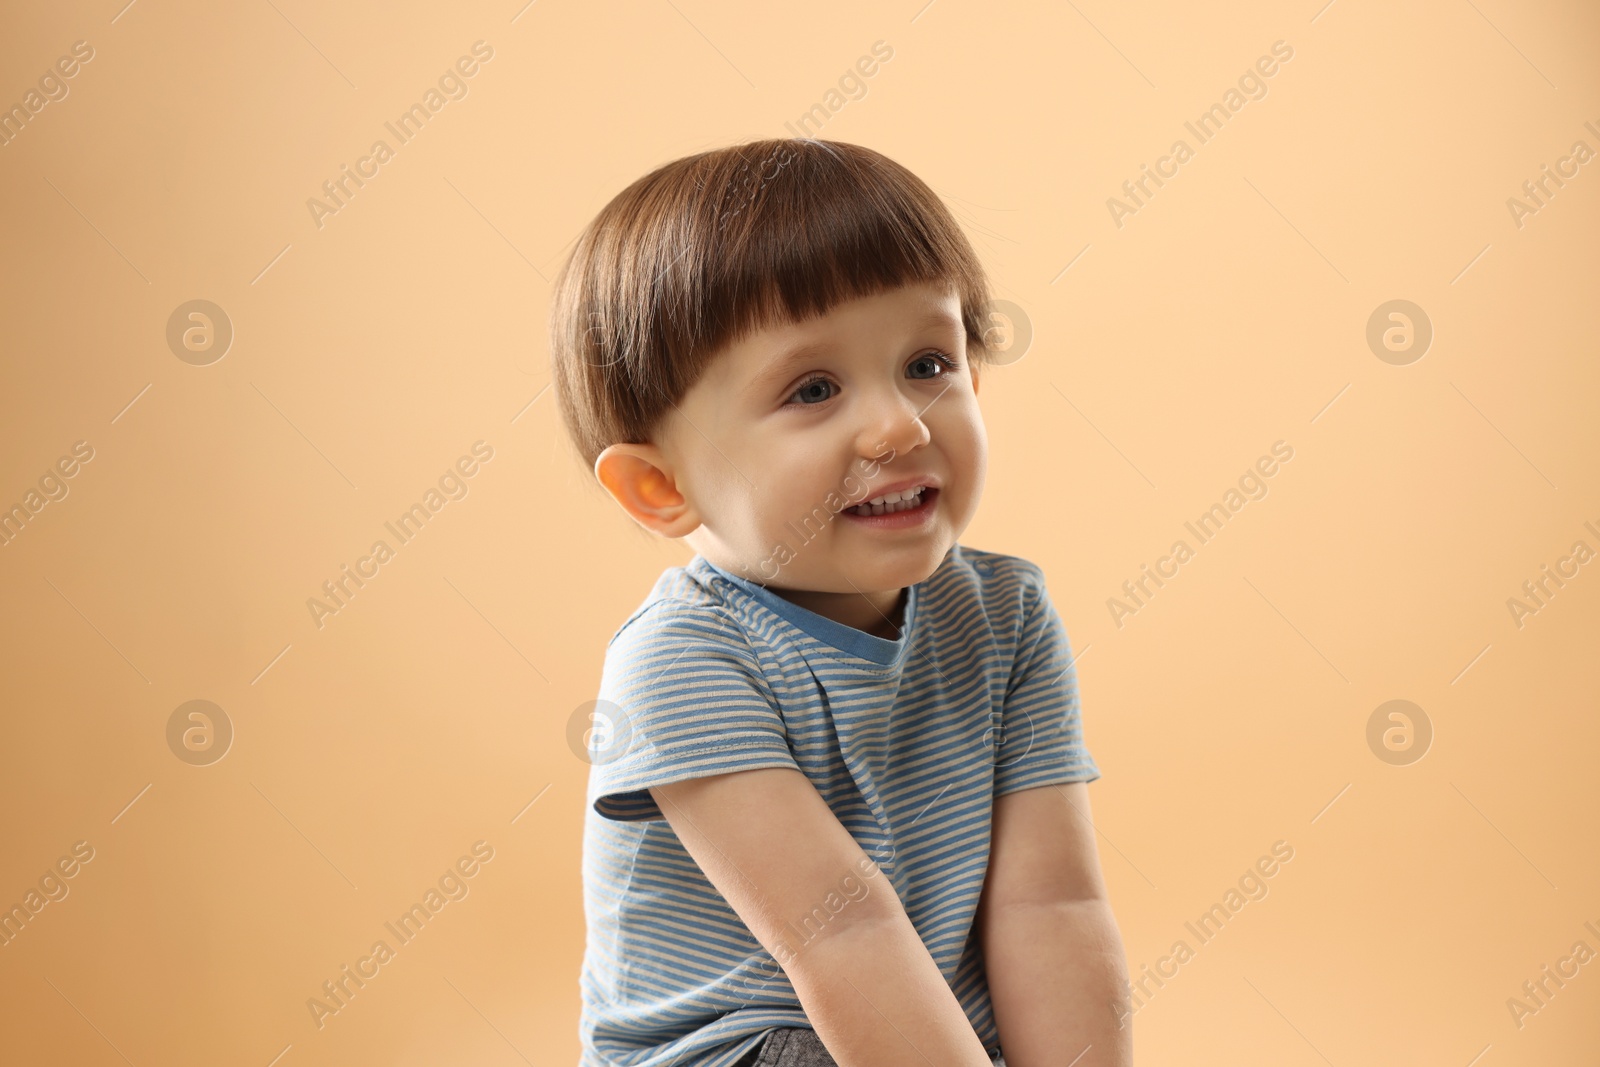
[1051, 947]
[769, 843]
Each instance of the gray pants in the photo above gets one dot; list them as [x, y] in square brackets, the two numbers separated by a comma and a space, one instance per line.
[797, 1047]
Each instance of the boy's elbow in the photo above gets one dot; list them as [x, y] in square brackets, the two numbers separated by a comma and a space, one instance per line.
[824, 938]
[1089, 908]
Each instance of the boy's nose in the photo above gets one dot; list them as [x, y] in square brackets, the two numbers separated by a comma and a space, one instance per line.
[896, 423]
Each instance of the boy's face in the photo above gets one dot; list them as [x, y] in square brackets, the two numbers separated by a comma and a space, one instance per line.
[762, 456]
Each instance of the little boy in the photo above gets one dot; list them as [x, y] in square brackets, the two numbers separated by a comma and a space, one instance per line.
[837, 808]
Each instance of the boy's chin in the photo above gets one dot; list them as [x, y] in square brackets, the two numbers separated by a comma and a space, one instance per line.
[880, 575]
[843, 571]
[842, 579]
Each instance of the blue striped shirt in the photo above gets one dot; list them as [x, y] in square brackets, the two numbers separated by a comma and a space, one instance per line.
[909, 742]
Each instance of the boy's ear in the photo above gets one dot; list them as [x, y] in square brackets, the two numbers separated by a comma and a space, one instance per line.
[640, 480]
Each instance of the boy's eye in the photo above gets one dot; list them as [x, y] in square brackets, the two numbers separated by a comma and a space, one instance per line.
[936, 360]
[808, 390]
[817, 389]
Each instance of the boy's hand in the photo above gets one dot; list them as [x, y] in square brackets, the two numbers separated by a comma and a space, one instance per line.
[1051, 946]
[768, 842]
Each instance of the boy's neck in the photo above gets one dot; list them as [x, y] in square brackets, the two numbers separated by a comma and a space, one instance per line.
[878, 614]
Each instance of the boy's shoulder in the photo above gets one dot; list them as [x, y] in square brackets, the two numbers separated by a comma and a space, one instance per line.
[993, 567]
[1004, 583]
[687, 590]
[1001, 584]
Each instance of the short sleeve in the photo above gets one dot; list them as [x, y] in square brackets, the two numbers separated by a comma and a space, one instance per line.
[682, 696]
[1041, 741]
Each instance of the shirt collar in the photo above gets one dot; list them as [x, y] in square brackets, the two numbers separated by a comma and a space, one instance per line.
[837, 635]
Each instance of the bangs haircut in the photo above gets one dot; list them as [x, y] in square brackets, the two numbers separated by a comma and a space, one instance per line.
[708, 249]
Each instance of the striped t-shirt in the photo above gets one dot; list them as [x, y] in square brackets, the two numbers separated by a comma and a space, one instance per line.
[908, 741]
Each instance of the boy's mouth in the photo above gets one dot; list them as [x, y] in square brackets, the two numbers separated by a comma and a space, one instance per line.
[912, 502]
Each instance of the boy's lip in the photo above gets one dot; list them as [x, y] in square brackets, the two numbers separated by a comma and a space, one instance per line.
[894, 487]
[915, 517]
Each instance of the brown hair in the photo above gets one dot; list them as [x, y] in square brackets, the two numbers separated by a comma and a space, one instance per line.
[708, 249]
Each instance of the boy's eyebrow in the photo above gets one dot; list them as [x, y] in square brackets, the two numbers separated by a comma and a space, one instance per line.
[781, 365]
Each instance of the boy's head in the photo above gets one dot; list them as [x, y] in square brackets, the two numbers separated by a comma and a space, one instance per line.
[747, 343]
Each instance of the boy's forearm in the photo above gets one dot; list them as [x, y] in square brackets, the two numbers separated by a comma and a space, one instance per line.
[1056, 975]
[876, 998]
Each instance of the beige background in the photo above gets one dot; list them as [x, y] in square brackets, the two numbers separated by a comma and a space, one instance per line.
[1228, 313]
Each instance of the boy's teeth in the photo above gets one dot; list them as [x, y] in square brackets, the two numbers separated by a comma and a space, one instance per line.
[890, 502]
[892, 498]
